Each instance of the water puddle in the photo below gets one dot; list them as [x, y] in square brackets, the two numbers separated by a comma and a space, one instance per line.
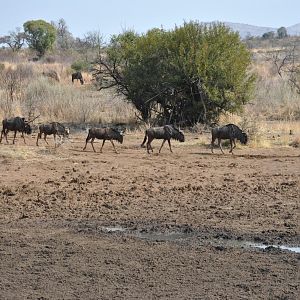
[281, 247]
[179, 236]
[114, 229]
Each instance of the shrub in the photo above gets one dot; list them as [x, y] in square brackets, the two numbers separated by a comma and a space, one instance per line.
[80, 65]
[187, 75]
[40, 36]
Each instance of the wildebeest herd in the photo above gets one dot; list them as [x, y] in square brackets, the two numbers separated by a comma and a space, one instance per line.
[230, 132]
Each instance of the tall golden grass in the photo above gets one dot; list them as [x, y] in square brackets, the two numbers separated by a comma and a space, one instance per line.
[64, 101]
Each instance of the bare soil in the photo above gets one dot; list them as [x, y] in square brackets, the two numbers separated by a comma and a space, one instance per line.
[56, 203]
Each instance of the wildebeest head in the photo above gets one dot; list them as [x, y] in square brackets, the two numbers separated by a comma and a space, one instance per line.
[243, 138]
[66, 132]
[120, 139]
[118, 135]
[177, 134]
[27, 128]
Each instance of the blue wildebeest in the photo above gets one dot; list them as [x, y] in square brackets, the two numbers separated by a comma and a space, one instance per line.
[54, 128]
[165, 133]
[228, 132]
[106, 133]
[16, 124]
[77, 76]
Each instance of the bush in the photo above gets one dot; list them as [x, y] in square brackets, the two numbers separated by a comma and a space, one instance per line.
[187, 75]
[40, 36]
[80, 65]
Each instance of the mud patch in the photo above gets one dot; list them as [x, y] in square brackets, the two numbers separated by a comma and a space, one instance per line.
[190, 236]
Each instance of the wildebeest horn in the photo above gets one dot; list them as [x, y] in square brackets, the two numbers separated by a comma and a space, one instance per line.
[32, 119]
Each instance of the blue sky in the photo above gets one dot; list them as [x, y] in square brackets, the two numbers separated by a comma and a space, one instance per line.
[113, 16]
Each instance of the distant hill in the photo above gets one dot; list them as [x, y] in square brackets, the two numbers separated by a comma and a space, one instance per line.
[294, 30]
[252, 30]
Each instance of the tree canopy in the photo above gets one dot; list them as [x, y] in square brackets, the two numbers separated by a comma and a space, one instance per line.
[189, 74]
[64, 38]
[282, 32]
[268, 35]
[15, 40]
[40, 35]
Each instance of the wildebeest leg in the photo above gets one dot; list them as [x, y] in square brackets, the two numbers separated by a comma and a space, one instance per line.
[212, 144]
[38, 137]
[102, 145]
[169, 142]
[2, 132]
[14, 137]
[92, 143]
[162, 146]
[149, 147]
[220, 145]
[234, 144]
[45, 138]
[23, 137]
[54, 136]
[144, 141]
[6, 133]
[231, 146]
[114, 146]
[86, 141]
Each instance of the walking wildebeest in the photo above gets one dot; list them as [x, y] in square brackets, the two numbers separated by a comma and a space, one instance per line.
[228, 132]
[54, 128]
[15, 124]
[77, 76]
[106, 133]
[165, 133]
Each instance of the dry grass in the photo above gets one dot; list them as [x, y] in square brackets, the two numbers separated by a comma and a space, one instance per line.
[63, 101]
[21, 153]
[295, 143]
[273, 102]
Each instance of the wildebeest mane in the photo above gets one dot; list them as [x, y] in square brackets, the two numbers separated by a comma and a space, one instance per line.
[238, 133]
[176, 133]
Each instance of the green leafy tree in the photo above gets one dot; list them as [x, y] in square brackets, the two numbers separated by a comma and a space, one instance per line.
[40, 35]
[282, 32]
[187, 75]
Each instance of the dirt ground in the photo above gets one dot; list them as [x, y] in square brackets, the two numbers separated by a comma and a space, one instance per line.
[85, 225]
